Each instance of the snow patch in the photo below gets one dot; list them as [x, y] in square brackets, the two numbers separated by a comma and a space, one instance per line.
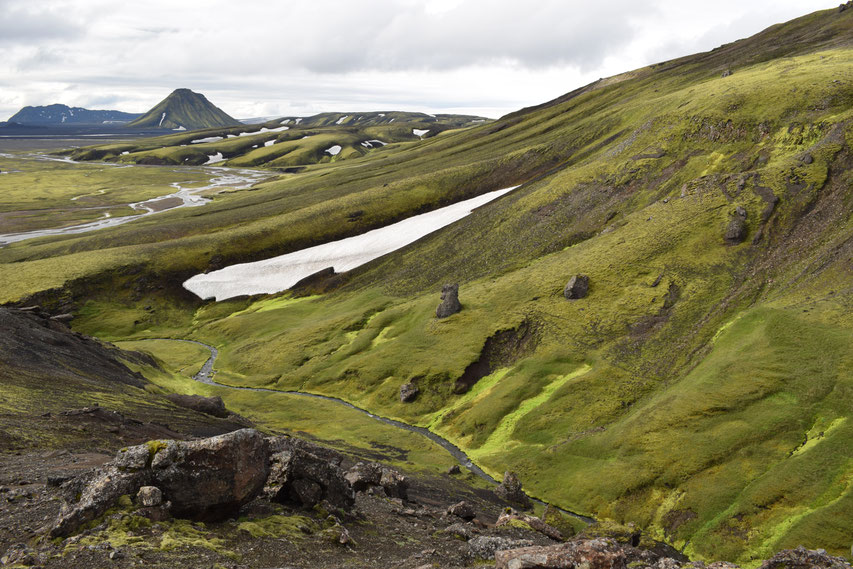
[371, 143]
[280, 273]
[419, 132]
[270, 142]
[162, 118]
[263, 130]
[214, 158]
[297, 121]
[125, 152]
[342, 119]
[334, 150]
[180, 127]
[381, 114]
[208, 139]
[285, 121]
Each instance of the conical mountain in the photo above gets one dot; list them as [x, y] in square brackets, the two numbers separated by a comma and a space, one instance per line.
[184, 109]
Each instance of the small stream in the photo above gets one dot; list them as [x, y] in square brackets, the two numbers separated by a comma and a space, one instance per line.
[205, 375]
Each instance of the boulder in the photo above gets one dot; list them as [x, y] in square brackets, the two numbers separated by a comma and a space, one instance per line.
[510, 490]
[462, 510]
[449, 301]
[306, 474]
[802, 558]
[808, 159]
[736, 230]
[364, 475]
[577, 287]
[454, 470]
[208, 405]
[208, 479]
[408, 392]
[149, 496]
[591, 554]
[486, 547]
[536, 524]
[459, 531]
[395, 484]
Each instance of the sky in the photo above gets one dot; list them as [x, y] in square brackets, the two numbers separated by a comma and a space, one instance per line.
[258, 58]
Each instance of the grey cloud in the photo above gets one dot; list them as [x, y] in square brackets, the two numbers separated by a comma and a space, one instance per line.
[28, 24]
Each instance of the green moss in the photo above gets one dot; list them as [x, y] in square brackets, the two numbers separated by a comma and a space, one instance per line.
[279, 526]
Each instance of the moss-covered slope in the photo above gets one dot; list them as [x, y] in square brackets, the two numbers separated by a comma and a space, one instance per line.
[703, 388]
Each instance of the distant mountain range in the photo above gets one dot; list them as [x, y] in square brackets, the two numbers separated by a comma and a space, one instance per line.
[63, 114]
[185, 110]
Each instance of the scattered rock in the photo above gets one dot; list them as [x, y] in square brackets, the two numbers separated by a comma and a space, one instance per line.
[592, 554]
[726, 73]
[510, 515]
[207, 479]
[736, 231]
[510, 490]
[485, 547]
[577, 287]
[408, 392]
[462, 510]
[808, 159]
[802, 558]
[454, 470]
[149, 496]
[395, 484]
[449, 301]
[19, 554]
[306, 474]
[209, 405]
[459, 531]
[364, 475]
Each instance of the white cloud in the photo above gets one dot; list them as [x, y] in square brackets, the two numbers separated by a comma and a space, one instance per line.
[256, 58]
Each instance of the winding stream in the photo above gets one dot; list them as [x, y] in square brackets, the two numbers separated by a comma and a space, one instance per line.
[205, 375]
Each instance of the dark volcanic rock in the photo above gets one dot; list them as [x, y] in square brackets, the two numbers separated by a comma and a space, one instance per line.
[462, 510]
[510, 490]
[592, 554]
[306, 474]
[209, 405]
[802, 558]
[534, 523]
[408, 392]
[207, 479]
[366, 476]
[736, 230]
[449, 301]
[577, 287]
[486, 547]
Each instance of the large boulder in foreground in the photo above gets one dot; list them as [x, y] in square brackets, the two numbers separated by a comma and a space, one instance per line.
[306, 474]
[592, 554]
[207, 479]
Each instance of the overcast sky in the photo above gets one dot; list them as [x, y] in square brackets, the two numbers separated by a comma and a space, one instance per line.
[299, 57]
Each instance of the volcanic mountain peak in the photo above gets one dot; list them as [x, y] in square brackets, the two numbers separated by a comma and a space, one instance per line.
[185, 110]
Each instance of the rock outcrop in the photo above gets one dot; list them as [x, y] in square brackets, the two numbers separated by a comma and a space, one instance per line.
[449, 301]
[207, 479]
[509, 516]
[510, 490]
[408, 392]
[371, 477]
[577, 287]
[736, 230]
[209, 405]
[592, 554]
[306, 474]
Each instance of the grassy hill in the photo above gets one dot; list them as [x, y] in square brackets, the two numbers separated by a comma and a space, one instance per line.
[184, 110]
[702, 390]
[281, 143]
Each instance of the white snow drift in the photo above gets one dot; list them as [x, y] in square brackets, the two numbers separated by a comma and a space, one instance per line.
[280, 273]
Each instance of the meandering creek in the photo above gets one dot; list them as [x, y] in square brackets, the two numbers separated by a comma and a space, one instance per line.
[205, 375]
